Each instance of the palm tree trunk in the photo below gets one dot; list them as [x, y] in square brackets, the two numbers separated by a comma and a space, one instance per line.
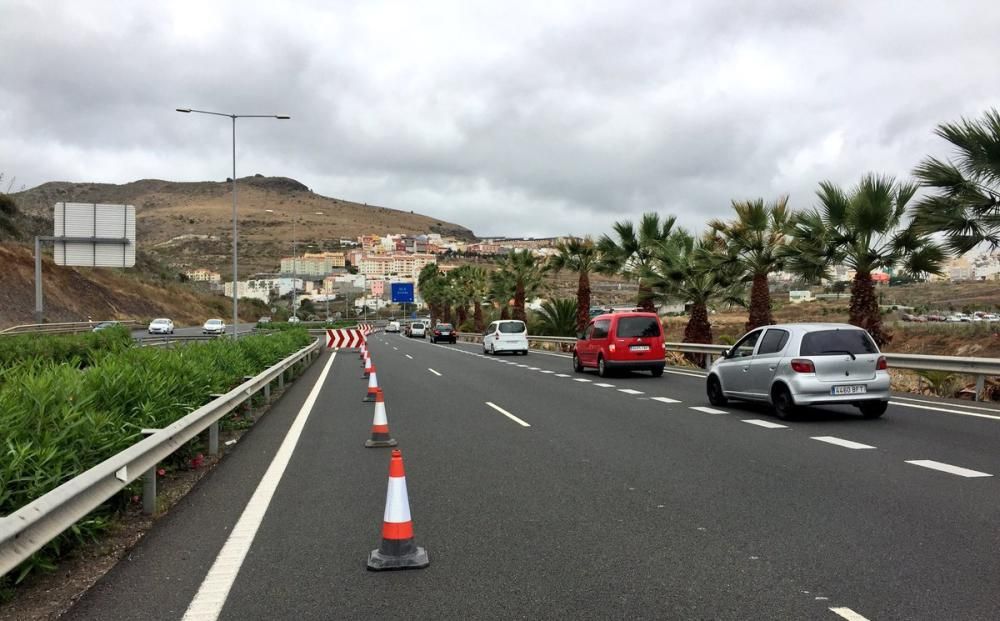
[644, 301]
[447, 312]
[864, 310]
[463, 314]
[504, 312]
[698, 330]
[519, 301]
[477, 316]
[760, 303]
[583, 302]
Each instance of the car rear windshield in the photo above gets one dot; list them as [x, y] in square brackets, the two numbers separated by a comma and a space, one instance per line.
[637, 326]
[512, 327]
[833, 342]
[444, 326]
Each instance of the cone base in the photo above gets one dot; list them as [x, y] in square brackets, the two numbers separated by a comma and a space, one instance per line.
[383, 562]
[380, 443]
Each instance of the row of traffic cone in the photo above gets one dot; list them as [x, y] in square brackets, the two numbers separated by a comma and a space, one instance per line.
[397, 550]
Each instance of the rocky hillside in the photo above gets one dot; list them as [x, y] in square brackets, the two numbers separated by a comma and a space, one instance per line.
[190, 224]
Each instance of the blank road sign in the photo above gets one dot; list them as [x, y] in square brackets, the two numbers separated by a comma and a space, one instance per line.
[90, 234]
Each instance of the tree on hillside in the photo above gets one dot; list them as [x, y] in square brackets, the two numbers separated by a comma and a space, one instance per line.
[863, 229]
[579, 256]
[966, 204]
[755, 242]
[631, 251]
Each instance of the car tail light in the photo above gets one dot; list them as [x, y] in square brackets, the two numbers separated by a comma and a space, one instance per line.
[882, 364]
[803, 366]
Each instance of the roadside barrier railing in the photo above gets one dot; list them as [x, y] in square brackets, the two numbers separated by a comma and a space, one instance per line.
[979, 368]
[28, 529]
[60, 328]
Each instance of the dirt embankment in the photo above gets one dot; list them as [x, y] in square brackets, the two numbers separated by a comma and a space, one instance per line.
[79, 294]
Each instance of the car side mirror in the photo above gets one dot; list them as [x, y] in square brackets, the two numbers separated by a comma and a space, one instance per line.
[725, 353]
[581, 336]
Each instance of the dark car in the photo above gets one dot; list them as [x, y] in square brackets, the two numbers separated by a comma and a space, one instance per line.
[444, 332]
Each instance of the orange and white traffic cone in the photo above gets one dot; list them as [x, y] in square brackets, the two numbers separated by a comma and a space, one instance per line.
[372, 387]
[364, 352]
[369, 366]
[398, 549]
[380, 425]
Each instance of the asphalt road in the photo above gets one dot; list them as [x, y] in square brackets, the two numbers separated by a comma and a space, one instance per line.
[619, 499]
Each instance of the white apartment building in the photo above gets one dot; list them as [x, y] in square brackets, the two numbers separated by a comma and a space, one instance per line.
[262, 288]
[203, 275]
[313, 264]
[402, 265]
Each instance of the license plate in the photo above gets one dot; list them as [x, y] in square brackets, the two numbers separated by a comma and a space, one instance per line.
[639, 348]
[856, 389]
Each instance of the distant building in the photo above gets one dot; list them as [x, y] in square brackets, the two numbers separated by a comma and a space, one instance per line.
[313, 264]
[263, 288]
[377, 288]
[403, 265]
[795, 297]
[204, 275]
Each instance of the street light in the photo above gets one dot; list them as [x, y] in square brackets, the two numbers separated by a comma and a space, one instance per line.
[236, 317]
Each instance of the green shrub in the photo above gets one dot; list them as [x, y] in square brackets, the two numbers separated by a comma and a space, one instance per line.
[77, 350]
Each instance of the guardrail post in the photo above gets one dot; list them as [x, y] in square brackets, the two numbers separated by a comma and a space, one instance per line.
[708, 361]
[247, 378]
[213, 438]
[980, 387]
[267, 393]
[281, 380]
[149, 484]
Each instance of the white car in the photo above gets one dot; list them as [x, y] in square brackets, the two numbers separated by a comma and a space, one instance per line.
[392, 327]
[161, 326]
[214, 326]
[294, 319]
[506, 335]
[418, 329]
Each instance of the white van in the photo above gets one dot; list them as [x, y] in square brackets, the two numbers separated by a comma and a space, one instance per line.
[506, 335]
[392, 327]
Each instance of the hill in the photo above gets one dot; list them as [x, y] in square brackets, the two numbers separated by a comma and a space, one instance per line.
[189, 224]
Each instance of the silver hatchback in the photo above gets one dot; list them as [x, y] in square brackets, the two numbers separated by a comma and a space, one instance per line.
[799, 364]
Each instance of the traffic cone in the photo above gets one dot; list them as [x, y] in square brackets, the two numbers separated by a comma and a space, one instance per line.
[372, 388]
[380, 425]
[368, 368]
[398, 550]
[364, 352]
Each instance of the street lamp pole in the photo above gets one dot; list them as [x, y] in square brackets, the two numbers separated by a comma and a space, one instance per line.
[236, 316]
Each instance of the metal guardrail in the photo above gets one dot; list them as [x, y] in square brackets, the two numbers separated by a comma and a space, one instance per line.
[980, 368]
[60, 328]
[25, 531]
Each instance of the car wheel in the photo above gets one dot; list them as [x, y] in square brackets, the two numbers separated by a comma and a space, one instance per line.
[657, 372]
[602, 370]
[714, 389]
[873, 409]
[577, 366]
[784, 404]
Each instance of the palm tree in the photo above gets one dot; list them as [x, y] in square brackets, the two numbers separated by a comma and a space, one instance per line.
[477, 286]
[526, 272]
[632, 252]
[558, 317]
[966, 206]
[754, 241]
[580, 256]
[432, 288]
[501, 291]
[862, 229]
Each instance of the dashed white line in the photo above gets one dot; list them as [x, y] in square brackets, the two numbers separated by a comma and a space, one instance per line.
[409, 356]
[214, 589]
[848, 614]
[629, 391]
[766, 424]
[507, 414]
[561, 375]
[841, 442]
[603, 385]
[580, 379]
[705, 410]
[546, 371]
[433, 371]
[533, 369]
[664, 399]
[396, 348]
[943, 467]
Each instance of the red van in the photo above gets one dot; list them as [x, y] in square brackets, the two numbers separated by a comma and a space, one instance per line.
[629, 341]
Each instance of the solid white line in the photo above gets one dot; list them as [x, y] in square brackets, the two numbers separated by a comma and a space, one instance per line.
[580, 379]
[507, 414]
[561, 375]
[937, 465]
[629, 391]
[664, 399]
[706, 410]
[945, 410]
[605, 385]
[954, 405]
[764, 423]
[698, 375]
[433, 371]
[409, 356]
[841, 442]
[848, 614]
[214, 589]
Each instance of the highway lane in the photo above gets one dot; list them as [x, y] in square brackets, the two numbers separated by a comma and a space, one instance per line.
[242, 328]
[611, 504]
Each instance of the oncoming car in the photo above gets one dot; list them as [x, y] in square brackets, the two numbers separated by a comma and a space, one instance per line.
[506, 335]
[161, 326]
[214, 326]
[793, 365]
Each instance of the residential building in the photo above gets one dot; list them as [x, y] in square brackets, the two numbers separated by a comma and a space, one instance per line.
[313, 264]
[403, 265]
[203, 275]
[263, 288]
[377, 288]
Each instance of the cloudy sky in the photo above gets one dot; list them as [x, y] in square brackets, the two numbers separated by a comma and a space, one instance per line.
[510, 118]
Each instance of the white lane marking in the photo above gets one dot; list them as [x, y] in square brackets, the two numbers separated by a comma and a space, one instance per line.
[533, 369]
[842, 442]
[943, 467]
[954, 405]
[629, 391]
[763, 423]
[507, 414]
[396, 348]
[664, 399]
[546, 371]
[523, 366]
[561, 375]
[848, 614]
[580, 379]
[698, 375]
[706, 410]
[409, 356]
[945, 410]
[602, 385]
[214, 589]
[433, 371]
